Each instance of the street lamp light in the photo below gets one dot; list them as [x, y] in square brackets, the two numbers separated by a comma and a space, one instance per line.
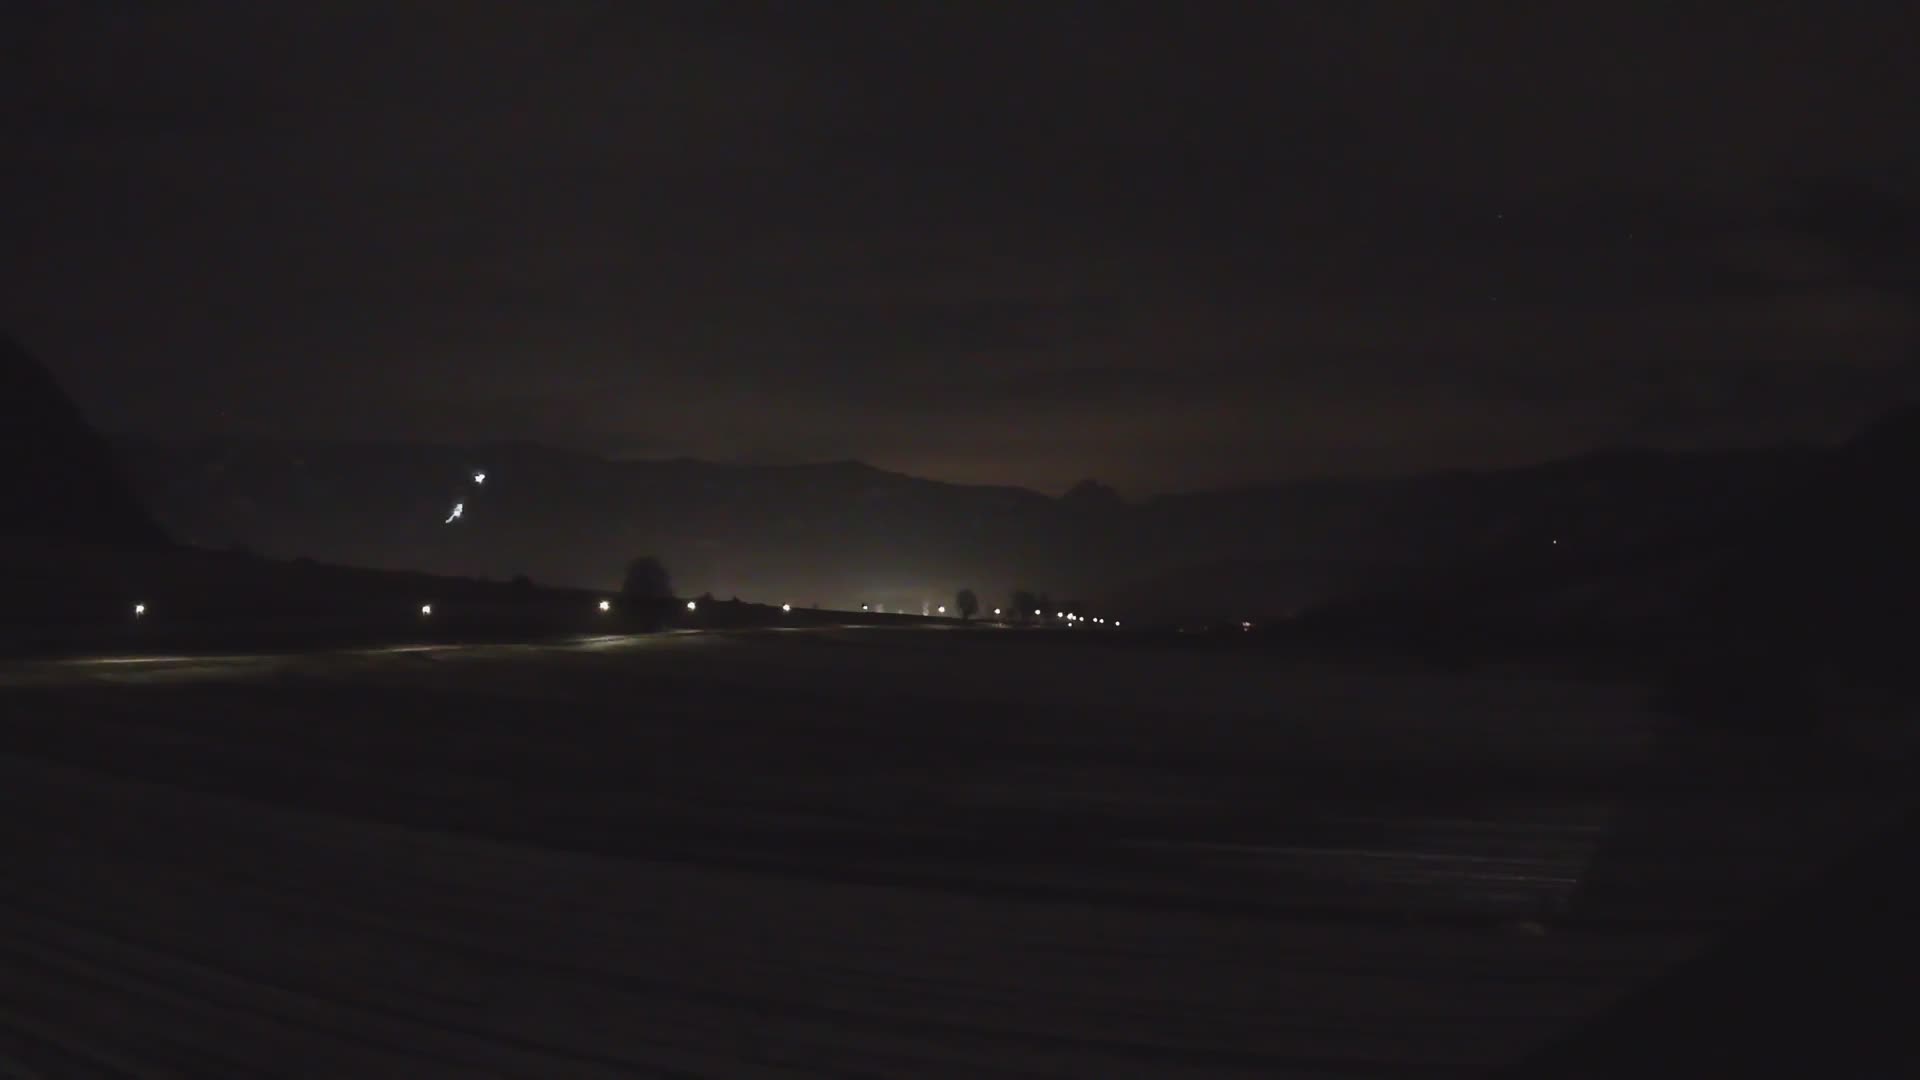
[692, 606]
[426, 609]
[139, 610]
[786, 607]
[606, 605]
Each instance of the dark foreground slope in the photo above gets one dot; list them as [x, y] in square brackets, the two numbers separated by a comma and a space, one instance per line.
[1829, 569]
[59, 481]
[1823, 987]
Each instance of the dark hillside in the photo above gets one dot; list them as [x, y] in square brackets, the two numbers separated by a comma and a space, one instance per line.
[58, 479]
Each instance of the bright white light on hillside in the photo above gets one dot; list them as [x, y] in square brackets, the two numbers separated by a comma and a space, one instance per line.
[139, 610]
[865, 607]
[479, 478]
[426, 609]
[996, 613]
[1036, 613]
[1059, 614]
[606, 605]
[458, 509]
[942, 609]
[786, 607]
[691, 606]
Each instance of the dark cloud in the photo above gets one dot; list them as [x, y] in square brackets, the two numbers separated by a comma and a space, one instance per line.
[1166, 245]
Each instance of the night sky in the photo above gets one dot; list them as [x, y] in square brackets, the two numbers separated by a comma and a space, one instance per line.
[1011, 243]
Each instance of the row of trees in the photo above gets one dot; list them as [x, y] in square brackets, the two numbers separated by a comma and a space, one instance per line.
[646, 581]
[1027, 605]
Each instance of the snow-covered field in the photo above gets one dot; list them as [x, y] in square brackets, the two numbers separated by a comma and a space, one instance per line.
[872, 853]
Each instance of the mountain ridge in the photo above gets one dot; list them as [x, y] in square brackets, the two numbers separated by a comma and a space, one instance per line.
[848, 533]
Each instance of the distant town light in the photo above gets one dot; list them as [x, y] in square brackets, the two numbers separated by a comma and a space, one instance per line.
[1059, 614]
[1246, 626]
[606, 605]
[139, 610]
[692, 606]
[866, 607]
[942, 609]
[996, 613]
[1116, 624]
[479, 477]
[786, 607]
[426, 609]
[1036, 613]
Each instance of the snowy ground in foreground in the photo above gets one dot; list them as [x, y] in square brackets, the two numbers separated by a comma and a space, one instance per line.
[854, 853]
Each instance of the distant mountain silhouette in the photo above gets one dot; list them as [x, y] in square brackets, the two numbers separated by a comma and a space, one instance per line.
[1093, 494]
[846, 533]
[59, 480]
[1448, 542]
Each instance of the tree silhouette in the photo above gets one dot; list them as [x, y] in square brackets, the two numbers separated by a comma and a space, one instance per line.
[968, 603]
[646, 580]
[1025, 603]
